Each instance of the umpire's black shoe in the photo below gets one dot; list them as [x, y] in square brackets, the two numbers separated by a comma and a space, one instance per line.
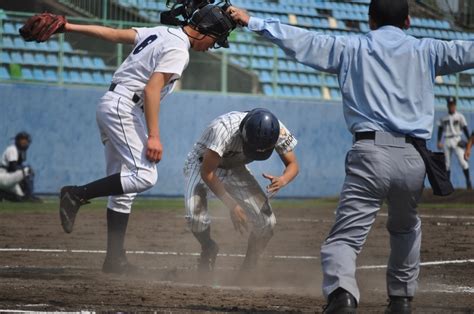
[340, 302]
[118, 265]
[69, 204]
[208, 257]
[399, 305]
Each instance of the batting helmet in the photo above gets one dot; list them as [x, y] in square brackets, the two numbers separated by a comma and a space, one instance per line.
[212, 20]
[22, 136]
[260, 130]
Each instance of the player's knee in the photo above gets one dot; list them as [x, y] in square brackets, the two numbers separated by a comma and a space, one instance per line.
[147, 178]
[405, 224]
[197, 223]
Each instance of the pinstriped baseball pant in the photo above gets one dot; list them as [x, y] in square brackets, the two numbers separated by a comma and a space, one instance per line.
[385, 169]
[243, 187]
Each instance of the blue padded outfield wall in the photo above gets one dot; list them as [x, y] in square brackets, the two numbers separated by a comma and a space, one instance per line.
[66, 146]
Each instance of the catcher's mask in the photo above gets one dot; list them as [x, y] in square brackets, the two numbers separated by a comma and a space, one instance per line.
[260, 130]
[213, 21]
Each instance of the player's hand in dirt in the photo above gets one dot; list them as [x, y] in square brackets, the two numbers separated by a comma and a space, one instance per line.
[239, 219]
[154, 149]
[276, 183]
[440, 145]
[239, 16]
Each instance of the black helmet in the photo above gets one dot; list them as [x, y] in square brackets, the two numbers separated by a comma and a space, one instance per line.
[260, 130]
[450, 101]
[212, 20]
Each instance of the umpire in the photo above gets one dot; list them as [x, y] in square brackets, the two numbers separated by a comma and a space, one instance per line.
[387, 80]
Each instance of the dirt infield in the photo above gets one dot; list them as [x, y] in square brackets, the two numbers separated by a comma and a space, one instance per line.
[41, 268]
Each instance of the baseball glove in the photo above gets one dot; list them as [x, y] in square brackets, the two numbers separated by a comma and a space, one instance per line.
[42, 26]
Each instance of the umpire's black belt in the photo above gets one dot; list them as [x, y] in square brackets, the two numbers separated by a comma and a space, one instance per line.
[119, 89]
[371, 136]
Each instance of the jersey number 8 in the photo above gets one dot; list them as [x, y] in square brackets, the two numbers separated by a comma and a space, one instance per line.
[145, 43]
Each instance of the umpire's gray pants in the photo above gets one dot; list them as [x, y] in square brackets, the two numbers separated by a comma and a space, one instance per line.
[389, 169]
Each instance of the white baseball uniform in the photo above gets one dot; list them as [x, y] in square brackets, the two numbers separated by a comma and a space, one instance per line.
[120, 114]
[223, 137]
[9, 181]
[452, 127]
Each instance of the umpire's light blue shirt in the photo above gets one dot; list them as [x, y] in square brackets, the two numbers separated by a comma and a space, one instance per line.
[386, 77]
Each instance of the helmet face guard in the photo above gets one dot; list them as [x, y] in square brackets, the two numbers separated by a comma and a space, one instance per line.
[260, 131]
[213, 21]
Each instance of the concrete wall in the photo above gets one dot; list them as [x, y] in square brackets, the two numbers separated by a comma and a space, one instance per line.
[66, 147]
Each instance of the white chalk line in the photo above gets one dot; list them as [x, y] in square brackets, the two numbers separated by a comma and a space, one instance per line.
[311, 220]
[166, 253]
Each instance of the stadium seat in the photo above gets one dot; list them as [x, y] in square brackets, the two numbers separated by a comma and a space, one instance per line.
[26, 74]
[51, 76]
[87, 62]
[6, 57]
[74, 77]
[76, 62]
[28, 58]
[40, 59]
[38, 74]
[268, 89]
[16, 57]
[99, 63]
[7, 42]
[98, 78]
[4, 75]
[19, 43]
[52, 60]
[86, 77]
[9, 28]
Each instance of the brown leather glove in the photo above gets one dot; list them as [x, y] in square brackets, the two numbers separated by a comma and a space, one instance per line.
[42, 26]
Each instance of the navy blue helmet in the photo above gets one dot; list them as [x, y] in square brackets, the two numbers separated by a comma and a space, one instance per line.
[260, 130]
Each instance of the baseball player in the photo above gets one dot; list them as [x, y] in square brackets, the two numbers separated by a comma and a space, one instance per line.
[128, 117]
[451, 125]
[470, 142]
[387, 80]
[16, 178]
[217, 164]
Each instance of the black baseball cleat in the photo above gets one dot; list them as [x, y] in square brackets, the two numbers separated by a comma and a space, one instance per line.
[69, 204]
[208, 257]
[118, 265]
[340, 302]
[399, 305]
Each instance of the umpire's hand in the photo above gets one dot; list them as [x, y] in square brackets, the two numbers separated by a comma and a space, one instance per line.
[154, 149]
[239, 16]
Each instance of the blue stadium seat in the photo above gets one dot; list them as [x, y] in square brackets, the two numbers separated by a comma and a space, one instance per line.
[108, 78]
[52, 45]
[98, 78]
[38, 74]
[26, 74]
[99, 63]
[6, 57]
[335, 94]
[9, 28]
[7, 42]
[74, 77]
[268, 89]
[87, 62]
[51, 76]
[31, 45]
[28, 58]
[67, 47]
[19, 43]
[265, 76]
[16, 57]
[316, 92]
[52, 60]
[4, 75]
[86, 77]
[76, 62]
[40, 59]
[306, 92]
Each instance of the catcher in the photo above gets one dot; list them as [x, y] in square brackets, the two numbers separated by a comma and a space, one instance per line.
[128, 114]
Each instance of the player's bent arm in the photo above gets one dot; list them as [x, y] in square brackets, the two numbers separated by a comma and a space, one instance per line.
[123, 36]
[152, 99]
[210, 163]
[292, 167]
